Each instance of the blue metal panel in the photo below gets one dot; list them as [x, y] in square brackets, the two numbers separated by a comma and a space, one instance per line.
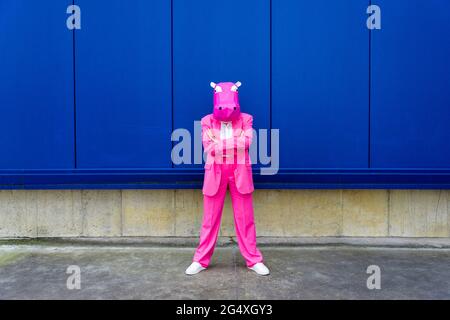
[123, 84]
[36, 85]
[411, 85]
[221, 41]
[320, 83]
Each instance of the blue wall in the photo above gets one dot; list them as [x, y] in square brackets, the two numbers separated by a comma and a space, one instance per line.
[95, 107]
[123, 84]
[410, 100]
[217, 42]
[320, 91]
[36, 86]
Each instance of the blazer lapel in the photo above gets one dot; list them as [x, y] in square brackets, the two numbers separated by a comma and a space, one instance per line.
[216, 127]
[237, 127]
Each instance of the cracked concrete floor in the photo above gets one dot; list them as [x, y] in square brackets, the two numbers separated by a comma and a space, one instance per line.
[131, 272]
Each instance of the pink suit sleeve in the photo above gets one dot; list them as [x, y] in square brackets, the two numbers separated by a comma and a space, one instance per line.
[241, 142]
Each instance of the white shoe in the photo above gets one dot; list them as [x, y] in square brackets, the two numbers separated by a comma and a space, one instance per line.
[260, 269]
[194, 268]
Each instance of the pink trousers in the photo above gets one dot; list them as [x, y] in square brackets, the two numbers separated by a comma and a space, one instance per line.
[243, 221]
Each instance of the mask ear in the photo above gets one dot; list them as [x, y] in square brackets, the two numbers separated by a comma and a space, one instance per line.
[238, 84]
[213, 85]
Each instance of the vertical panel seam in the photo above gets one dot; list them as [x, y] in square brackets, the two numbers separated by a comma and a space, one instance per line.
[121, 212]
[369, 129]
[269, 139]
[342, 229]
[270, 64]
[74, 99]
[172, 80]
[388, 212]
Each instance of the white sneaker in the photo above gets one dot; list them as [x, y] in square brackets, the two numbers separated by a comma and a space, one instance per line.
[260, 269]
[194, 268]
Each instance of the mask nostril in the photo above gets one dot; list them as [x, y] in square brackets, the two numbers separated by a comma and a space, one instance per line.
[220, 108]
[235, 108]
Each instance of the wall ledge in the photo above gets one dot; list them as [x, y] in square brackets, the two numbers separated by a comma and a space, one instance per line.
[191, 242]
[192, 178]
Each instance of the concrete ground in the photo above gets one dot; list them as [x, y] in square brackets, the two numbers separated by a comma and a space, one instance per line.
[129, 270]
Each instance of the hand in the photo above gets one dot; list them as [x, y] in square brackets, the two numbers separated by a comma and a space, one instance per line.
[211, 136]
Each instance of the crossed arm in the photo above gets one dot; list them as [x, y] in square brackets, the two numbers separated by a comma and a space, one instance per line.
[213, 144]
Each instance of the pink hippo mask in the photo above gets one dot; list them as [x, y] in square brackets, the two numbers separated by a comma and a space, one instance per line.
[226, 101]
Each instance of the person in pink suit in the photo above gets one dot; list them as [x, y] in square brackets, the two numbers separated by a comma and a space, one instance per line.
[227, 136]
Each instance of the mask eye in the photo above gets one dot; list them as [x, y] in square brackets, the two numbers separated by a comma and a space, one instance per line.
[235, 108]
[217, 89]
[220, 108]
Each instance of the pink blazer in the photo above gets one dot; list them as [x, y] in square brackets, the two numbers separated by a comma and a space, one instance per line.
[241, 141]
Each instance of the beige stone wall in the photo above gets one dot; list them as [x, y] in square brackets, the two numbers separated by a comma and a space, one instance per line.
[279, 213]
